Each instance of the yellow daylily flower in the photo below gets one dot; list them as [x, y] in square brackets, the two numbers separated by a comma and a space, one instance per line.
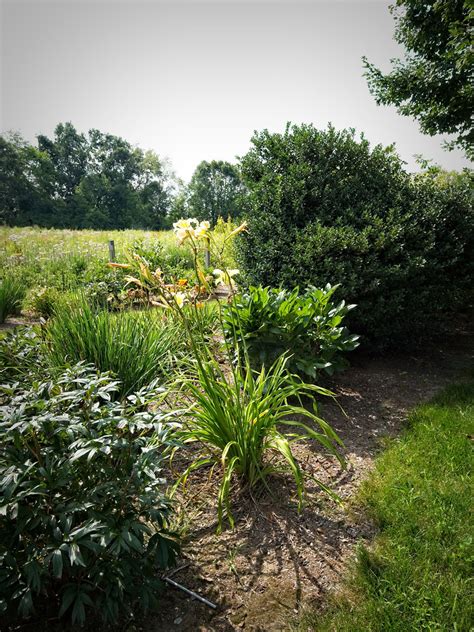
[183, 233]
[202, 229]
[182, 223]
[180, 299]
[225, 276]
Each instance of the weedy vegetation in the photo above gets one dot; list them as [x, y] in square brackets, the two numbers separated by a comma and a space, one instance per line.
[12, 293]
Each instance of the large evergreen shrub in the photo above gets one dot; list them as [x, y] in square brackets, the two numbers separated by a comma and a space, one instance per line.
[325, 207]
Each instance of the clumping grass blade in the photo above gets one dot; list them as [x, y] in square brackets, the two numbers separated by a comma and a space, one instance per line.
[237, 417]
[136, 347]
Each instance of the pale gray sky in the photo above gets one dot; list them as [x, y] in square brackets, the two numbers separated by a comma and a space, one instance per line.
[192, 80]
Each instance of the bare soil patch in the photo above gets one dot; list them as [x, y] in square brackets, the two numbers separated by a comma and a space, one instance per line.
[277, 562]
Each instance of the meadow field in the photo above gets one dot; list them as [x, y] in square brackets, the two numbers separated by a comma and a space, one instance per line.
[50, 262]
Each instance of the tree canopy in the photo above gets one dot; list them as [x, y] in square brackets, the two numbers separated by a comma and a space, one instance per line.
[77, 180]
[216, 190]
[433, 83]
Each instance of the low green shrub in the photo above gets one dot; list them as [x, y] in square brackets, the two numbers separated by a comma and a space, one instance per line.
[42, 301]
[136, 347]
[150, 250]
[177, 263]
[12, 293]
[173, 261]
[307, 326]
[83, 511]
[22, 354]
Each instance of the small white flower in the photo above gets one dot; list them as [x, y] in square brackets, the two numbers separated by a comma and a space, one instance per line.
[180, 298]
[224, 276]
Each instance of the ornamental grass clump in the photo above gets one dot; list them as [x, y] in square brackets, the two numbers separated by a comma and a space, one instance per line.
[237, 415]
[12, 293]
[238, 420]
[136, 347]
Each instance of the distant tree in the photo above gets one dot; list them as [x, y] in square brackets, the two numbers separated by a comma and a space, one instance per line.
[216, 189]
[24, 183]
[179, 205]
[69, 155]
[77, 180]
[155, 185]
[434, 81]
[107, 193]
[13, 184]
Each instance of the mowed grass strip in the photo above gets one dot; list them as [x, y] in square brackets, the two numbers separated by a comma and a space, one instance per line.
[418, 573]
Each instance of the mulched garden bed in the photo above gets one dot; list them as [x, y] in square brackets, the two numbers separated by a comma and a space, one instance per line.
[276, 562]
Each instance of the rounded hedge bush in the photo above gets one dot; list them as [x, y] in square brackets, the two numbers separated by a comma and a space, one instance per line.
[325, 207]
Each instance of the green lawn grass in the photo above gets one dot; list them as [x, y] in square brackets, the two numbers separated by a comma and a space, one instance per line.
[417, 575]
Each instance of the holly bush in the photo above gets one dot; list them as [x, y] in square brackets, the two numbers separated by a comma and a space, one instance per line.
[325, 207]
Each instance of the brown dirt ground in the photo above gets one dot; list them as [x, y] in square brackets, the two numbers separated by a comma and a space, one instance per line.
[276, 562]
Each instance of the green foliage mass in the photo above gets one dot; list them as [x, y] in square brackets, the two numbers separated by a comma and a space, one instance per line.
[417, 575]
[325, 207]
[215, 190]
[136, 347]
[83, 514]
[434, 81]
[21, 355]
[74, 180]
[307, 326]
[42, 301]
[12, 292]
[239, 421]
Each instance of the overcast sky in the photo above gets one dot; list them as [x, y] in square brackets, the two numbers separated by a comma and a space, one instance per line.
[193, 80]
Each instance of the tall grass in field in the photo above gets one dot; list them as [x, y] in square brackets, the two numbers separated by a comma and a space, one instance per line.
[72, 259]
[136, 346]
[12, 292]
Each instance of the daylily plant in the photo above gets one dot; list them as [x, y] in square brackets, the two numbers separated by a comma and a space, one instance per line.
[237, 414]
[191, 229]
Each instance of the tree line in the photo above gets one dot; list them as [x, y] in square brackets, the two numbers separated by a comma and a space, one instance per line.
[100, 181]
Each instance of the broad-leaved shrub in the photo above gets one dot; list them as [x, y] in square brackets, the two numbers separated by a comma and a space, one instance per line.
[83, 512]
[306, 326]
[325, 207]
